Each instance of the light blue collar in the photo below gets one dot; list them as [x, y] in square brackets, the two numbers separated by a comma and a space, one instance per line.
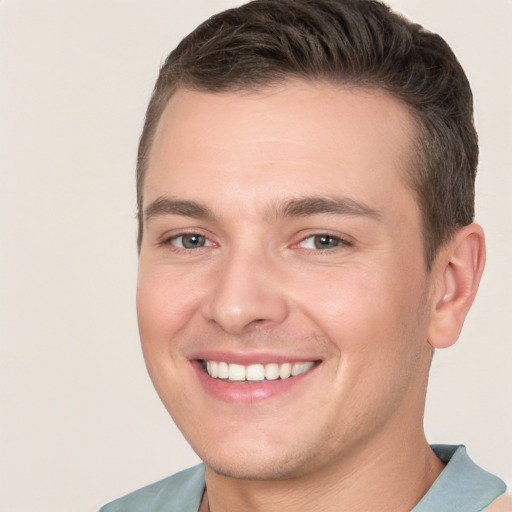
[462, 486]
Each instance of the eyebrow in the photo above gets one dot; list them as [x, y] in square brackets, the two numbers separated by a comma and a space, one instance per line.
[296, 207]
[306, 206]
[169, 206]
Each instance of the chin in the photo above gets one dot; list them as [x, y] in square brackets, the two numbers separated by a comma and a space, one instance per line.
[257, 461]
[253, 468]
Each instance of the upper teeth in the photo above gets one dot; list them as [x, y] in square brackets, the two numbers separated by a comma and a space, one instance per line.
[256, 372]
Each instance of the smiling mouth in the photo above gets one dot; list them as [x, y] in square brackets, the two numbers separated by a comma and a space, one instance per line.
[255, 372]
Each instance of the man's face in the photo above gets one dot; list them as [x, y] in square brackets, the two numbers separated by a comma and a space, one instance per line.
[279, 231]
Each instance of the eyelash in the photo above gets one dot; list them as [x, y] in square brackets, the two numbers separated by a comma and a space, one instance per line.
[170, 241]
[338, 242]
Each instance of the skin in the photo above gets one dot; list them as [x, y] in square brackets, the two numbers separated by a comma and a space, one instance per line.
[365, 307]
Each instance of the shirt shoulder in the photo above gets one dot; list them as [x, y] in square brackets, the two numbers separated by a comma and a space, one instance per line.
[181, 492]
[462, 486]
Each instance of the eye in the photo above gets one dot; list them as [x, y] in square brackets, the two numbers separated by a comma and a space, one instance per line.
[190, 241]
[322, 241]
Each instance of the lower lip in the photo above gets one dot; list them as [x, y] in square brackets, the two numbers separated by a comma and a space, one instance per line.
[247, 392]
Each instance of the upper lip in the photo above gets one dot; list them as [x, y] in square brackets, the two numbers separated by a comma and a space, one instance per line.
[247, 358]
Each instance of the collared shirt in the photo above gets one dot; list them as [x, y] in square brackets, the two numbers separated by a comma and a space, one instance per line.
[461, 487]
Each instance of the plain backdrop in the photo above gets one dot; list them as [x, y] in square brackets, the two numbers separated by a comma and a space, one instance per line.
[80, 423]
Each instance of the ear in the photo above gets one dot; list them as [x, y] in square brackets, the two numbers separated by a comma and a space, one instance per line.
[458, 269]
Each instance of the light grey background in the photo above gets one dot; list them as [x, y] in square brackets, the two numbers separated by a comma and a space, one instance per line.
[80, 423]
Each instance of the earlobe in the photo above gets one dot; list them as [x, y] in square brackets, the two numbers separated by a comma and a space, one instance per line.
[458, 270]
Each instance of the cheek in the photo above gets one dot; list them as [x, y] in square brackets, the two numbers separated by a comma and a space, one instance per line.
[364, 312]
[164, 308]
[342, 301]
[165, 302]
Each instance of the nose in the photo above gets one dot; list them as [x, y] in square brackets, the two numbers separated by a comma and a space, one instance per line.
[246, 291]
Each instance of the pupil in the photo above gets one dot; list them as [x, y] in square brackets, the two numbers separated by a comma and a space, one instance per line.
[323, 241]
[193, 241]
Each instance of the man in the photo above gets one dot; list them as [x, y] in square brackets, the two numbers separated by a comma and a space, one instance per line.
[306, 201]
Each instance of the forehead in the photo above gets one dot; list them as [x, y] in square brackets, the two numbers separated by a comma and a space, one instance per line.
[297, 135]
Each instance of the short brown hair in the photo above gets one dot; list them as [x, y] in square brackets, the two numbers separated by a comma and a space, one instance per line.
[357, 42]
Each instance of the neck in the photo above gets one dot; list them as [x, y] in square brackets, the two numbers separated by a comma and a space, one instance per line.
[389, 477]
